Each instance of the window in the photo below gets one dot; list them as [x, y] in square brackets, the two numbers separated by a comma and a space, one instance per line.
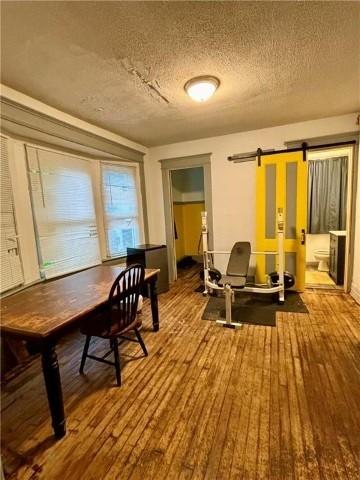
[121, 208]
[63, 206]
[11, 269]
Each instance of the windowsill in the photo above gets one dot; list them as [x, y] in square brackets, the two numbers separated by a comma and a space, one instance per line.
[115, 259]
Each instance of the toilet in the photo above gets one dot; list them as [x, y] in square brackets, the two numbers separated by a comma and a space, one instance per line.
[322, 256]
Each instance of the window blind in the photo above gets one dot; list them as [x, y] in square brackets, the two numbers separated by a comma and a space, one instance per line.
[64, 212]
[11, 269]
[121, 208]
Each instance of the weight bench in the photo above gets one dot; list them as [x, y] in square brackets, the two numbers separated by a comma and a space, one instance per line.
[237, 270]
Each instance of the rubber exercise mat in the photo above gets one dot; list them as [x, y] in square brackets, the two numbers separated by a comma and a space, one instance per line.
[254, 308]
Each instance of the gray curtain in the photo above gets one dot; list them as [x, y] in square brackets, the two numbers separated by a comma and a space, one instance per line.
[327, 191]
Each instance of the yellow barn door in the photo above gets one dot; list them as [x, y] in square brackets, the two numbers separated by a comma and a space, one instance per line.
[281, 182]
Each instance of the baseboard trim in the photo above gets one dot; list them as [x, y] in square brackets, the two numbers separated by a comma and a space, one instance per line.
[355, 293]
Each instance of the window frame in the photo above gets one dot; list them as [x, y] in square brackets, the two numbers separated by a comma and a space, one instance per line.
[140, 216]
[24, 213]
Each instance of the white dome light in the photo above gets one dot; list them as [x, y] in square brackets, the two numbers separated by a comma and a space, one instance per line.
[201, 89]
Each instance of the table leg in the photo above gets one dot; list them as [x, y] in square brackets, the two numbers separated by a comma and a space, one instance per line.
[51, 373]
[154, 304]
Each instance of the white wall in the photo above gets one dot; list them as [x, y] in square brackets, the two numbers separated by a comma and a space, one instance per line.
[233, 185]
[355, 287]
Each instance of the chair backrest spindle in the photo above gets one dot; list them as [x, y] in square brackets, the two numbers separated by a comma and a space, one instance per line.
[124, 296]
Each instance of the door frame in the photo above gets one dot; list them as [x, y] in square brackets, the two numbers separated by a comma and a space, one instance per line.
[352, 190]
[180, 163]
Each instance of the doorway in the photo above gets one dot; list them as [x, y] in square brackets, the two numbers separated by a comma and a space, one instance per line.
[187, 191]
[329, 189]
[317, 255]
[188, 201]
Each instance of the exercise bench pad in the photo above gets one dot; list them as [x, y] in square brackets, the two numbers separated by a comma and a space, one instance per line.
[238, 266]
[239, 260]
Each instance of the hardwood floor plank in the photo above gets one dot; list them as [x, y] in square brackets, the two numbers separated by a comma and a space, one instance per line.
[237, 466]
[140, 436]
[210, 435]
[295, 420]
[234, 409]
[286, 447]
[311, 461]
[274, 412]
[216, 375]
[252, 443]
[153, 453]
[263, 457]
[329, 456]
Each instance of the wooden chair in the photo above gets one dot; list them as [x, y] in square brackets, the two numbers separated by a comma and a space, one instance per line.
[116, 318]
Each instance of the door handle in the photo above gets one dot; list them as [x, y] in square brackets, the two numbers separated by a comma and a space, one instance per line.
[302, 236]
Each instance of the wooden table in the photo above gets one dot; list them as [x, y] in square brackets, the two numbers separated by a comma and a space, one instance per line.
[43, 313]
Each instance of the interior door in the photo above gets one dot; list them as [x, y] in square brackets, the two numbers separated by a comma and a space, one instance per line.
[281, 182]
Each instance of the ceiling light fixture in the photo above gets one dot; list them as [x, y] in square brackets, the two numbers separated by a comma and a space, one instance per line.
[201, 89]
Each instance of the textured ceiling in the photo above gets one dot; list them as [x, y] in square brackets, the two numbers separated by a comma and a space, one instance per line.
[122, 65]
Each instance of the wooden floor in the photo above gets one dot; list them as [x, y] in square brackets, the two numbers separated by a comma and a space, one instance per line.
[208, 402]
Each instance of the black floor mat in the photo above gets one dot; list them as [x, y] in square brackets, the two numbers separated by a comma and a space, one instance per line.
[253, 308]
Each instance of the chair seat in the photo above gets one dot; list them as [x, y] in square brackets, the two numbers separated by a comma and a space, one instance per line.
[97, 325]
[235, 281]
